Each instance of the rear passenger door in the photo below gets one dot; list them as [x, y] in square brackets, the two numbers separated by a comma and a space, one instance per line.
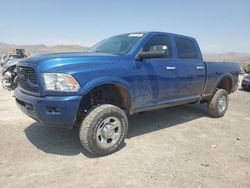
[190, 69]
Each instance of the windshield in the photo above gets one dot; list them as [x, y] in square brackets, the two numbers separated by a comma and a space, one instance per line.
[121, 44]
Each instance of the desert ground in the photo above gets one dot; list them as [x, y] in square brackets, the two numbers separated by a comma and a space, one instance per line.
[174, 147]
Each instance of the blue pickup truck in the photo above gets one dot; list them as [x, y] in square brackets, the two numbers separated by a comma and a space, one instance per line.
[120, 76]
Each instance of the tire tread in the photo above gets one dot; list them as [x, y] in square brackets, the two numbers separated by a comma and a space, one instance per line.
[85, 133]
[212, 104]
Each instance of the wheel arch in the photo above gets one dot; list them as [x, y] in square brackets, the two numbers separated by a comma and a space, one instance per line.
[102, 81]
[116, 88]
[224, 82]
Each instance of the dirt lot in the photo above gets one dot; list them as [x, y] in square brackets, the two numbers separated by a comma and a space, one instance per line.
[175, 147]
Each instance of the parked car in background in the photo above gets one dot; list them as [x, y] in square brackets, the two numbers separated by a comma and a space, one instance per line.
[8, 57]
[8, 68]
[245, 84]
[121, 76]
[242, 71]
[247, 68]
[9, 74]
[8, 71]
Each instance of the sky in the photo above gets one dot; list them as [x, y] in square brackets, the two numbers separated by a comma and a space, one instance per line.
[218, 25]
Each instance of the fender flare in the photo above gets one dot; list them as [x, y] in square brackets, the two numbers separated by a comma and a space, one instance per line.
[223, 76]
[107, 80]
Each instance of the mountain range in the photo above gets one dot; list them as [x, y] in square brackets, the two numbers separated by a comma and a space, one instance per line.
[241, 58]
[40, 48]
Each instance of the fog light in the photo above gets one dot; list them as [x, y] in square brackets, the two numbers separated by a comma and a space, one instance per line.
[53, 109]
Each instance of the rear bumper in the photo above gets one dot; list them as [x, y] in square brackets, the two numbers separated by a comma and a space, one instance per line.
[50, 111]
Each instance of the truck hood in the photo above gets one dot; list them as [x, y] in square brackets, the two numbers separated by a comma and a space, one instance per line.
[60, 61]
[67, 55]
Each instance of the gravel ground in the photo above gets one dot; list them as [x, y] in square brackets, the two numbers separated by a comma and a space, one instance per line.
[174, 147]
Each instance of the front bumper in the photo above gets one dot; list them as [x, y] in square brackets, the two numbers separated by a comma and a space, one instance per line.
[51, 111]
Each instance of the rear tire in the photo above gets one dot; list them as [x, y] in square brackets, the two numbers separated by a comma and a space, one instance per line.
[103, 130]
[218, 105]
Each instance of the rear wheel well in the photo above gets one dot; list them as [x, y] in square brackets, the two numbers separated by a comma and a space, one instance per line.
[226, 84]
[104, 94]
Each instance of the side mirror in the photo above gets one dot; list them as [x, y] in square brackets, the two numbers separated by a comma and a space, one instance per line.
[150, 55]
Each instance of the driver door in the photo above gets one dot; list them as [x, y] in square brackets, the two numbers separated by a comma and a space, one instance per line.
[159, 73]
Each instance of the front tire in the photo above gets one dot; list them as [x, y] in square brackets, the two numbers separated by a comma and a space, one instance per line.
[103, 130]
[218, 105]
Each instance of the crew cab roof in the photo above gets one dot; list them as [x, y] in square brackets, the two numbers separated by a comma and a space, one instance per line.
[159, 33]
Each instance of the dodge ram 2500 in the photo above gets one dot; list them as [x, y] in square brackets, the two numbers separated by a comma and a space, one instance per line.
[117, 77]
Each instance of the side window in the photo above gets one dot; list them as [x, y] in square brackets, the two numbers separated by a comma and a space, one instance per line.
[185, 48]
[158, 43]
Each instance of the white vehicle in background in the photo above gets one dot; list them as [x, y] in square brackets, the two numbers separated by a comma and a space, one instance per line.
[8, 68]
[8, 57]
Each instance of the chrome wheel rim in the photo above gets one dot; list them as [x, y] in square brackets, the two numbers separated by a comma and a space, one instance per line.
[108, 132]
[222, 104]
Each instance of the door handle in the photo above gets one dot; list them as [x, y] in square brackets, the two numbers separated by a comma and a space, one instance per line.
[170, 68]
[199, 67]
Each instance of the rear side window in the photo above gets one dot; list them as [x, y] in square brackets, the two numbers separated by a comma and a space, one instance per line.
[158, 43]
[185, 48]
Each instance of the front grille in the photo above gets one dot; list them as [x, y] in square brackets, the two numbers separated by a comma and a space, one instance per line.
[26, 78]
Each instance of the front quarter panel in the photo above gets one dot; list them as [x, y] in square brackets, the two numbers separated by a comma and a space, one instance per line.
[104, 80]
[107, 73]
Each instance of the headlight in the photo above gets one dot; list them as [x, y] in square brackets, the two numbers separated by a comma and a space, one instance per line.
[60, 82]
